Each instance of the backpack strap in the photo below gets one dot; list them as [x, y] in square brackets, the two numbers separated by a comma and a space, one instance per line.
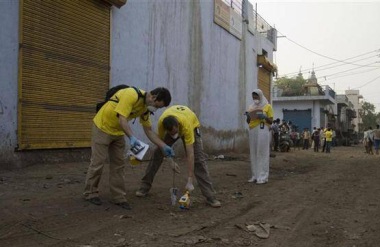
[139, 95]
[145, 115]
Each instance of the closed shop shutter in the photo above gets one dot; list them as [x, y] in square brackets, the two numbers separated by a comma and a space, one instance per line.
[264, 82]
[299, 118]
[64, 64]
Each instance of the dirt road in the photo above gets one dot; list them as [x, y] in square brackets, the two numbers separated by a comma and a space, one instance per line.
[312, 199]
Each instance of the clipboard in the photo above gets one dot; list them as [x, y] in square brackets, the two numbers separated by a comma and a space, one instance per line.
[256, 114]
[139, 151]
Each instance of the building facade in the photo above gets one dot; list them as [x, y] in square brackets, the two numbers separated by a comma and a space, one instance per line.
[58, 58]
[355, 97]
[315, 106]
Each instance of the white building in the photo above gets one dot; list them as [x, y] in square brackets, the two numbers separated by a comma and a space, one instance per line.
[355, 97]
[314, 107]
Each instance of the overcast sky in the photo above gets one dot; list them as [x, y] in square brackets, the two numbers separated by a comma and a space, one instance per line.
[326, 32]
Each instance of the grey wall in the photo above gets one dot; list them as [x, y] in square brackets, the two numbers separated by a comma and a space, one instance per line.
[168, 43]
[9, 18]
[176, 44]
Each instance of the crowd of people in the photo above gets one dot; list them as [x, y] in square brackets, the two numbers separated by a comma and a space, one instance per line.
[371, 139]
[320, 139]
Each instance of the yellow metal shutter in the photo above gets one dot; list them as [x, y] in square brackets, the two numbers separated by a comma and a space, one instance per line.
[264, 82]
[63, 71]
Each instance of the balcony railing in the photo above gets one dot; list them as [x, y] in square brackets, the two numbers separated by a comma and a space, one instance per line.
[264, 28]
[342, 99]
[323, 92]
[256, 23]
[307, 91]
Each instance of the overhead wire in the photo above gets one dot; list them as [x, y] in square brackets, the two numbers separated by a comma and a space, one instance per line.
[344, 61]
[345, 71]
[365, 84]
[322, 66]
[338, 60]
[334, 77]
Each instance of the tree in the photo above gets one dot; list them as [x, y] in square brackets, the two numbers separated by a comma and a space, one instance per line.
[368, 115]
[291, 86]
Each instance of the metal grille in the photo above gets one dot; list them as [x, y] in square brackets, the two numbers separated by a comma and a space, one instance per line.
[236, 5]
[64, 71]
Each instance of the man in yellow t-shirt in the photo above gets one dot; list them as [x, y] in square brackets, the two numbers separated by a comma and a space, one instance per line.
[180, 122]
[328, 135]
[110, 126]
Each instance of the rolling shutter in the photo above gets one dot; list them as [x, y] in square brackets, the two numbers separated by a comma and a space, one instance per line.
[64, 64]
[264, 82]
[299, 118]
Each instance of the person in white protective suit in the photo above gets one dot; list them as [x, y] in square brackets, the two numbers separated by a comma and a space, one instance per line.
[259, 118]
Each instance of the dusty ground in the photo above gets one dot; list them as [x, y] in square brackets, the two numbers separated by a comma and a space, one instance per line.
[312, 199]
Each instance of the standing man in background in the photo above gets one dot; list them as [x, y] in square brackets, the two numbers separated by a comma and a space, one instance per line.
[376, 138]
[276, 133]
[108, 131]
[306, 138]
[328, 135]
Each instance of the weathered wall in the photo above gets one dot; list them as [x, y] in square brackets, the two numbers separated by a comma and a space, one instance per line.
[168, 43]
[8, 78]
[176, 44]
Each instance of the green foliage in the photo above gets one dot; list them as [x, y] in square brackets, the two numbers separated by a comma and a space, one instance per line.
[291, 86]
[369, 116]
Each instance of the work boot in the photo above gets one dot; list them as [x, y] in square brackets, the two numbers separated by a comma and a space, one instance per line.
[141, 193]
[213, 202]
[94, 200]
[124, 205]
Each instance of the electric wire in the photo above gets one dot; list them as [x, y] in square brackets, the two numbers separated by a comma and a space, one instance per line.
[334, 77]
[343, 71]
[365, 84]
[322, 66]
[342, 61]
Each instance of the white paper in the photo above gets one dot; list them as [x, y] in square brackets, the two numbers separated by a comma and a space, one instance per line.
[141, 154]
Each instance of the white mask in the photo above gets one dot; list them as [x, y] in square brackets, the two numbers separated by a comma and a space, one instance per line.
[175, 136]
[152, 108]
[256, 101]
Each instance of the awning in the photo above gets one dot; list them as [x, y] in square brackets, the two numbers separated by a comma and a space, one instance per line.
[117, 3]
[266, 64]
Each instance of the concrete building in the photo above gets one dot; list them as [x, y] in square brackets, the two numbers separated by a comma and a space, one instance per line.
[345, 116]
[315, 106]
[355, 97]
[58, 58]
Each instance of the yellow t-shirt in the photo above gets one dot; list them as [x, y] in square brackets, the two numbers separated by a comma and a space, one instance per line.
[328, 135]
[268, 111]
[129, 106]
[187, 121]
